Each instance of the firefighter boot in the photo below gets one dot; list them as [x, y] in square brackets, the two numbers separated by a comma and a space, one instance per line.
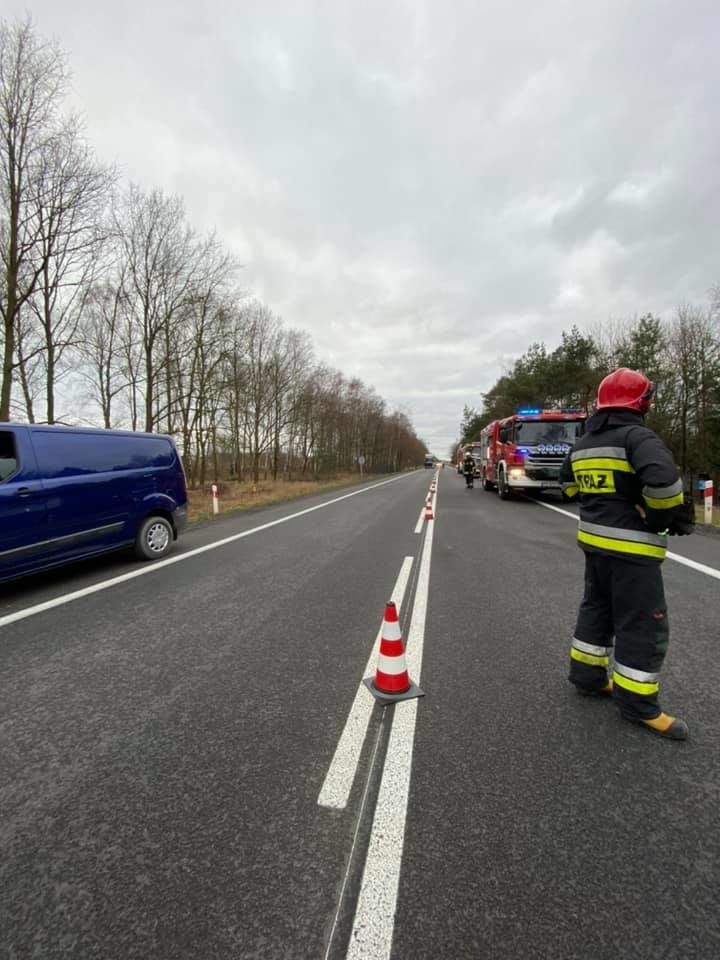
[672, 728]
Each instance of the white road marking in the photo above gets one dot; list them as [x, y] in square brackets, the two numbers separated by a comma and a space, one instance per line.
[179, 558]
[421, 518]
[338, 783]
[374, 922]
[693, 564]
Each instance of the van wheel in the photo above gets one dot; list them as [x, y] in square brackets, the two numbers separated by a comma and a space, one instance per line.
[502, 488]
[154, 538]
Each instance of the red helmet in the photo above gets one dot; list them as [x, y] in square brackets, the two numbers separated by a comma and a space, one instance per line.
[626, 389]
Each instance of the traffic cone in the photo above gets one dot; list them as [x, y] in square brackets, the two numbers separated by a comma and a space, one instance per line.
[391, 681]
[429, 509]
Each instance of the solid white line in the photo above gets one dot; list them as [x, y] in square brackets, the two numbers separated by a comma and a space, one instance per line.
[338, 783]
[550, 506]
[421, 521]
[179, 558]
[693, 564]
[374, 922]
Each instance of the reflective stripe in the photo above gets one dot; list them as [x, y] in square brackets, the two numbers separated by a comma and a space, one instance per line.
[602, 463]
[589, 658]
[391, 630]
[614, 453]
[662, 492]
[663, 498]
[569, 489]
[391, 665]
[621, 533]
[676, 501]
[642, 676]
[590, 648]
[621, 546]
[644, 689]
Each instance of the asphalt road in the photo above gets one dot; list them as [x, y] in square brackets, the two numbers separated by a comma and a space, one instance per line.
[165, 742]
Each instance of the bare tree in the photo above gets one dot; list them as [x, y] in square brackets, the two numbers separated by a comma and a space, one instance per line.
[33, 79]
[286, 369]
[160, 255]
[193, 343]
[70, 215]
[196, 361]
[29, 367]
[99, 342]
[694, 356]
[261, 340]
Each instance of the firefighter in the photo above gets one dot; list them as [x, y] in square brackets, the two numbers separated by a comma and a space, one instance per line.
[469, 470]
[631, 497]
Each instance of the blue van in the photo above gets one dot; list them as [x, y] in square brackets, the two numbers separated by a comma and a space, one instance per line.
[67, 493]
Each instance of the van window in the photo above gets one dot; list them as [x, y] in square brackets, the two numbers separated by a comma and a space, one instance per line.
[8, 455]
[64, 454]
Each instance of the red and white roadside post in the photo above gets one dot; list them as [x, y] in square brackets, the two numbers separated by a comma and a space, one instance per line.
[216, 505]
[708, 496]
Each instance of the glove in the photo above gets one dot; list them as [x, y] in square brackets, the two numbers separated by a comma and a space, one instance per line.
[683, 520]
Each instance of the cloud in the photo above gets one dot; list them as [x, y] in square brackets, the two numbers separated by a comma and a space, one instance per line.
[425, 193]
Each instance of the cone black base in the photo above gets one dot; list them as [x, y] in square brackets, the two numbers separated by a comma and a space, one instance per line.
[387, 698]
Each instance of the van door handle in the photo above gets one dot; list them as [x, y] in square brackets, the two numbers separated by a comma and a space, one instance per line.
[23, 492]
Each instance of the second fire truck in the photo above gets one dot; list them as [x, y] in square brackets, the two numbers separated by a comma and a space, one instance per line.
[524, 452]
[475, 451]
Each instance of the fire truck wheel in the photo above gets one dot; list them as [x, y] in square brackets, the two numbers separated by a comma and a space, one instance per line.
[486, 483]
[502, 488]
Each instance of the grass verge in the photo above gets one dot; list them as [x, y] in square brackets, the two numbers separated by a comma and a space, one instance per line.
[234, 496]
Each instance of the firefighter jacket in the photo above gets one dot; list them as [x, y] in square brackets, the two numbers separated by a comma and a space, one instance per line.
[617, 466]
[468, 465]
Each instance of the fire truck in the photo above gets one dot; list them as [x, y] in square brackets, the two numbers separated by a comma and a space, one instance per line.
[524, 452]
[475, 450]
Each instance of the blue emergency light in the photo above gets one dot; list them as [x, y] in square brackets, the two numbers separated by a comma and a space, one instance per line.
[529, 410]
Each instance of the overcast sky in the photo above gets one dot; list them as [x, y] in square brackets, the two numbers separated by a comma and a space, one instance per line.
[425, 187]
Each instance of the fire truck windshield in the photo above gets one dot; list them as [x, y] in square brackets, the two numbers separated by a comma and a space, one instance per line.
[555, 431]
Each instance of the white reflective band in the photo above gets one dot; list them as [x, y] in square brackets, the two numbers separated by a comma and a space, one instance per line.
[599, 453]
[622, 533]
[391, 630]
[391, 665]
[591, 648]
[632, 674]
[660, 493]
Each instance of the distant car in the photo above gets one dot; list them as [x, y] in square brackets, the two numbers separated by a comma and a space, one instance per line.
[429, 462]
[67, 493]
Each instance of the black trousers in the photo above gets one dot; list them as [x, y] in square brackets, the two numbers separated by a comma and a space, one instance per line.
[623, 606]
[469, 479]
